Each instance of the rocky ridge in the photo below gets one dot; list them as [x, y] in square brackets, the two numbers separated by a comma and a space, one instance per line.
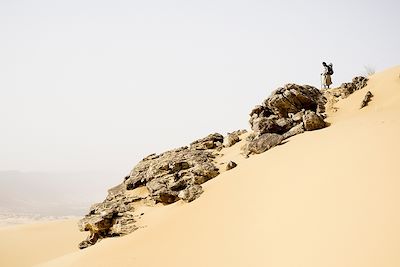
[165, 178]
[178, 174]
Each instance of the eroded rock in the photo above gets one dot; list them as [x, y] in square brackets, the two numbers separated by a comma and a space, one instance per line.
[298, 129]
[233, 138]
[263, 143]
[290, 110]
[231, 165]
[313, 121]
[190, 193]
[209, 142]
[366, 99]
[165, 178]
[347, 89]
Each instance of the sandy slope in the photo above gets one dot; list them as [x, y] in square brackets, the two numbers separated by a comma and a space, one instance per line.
[26, 245]
[325, 198]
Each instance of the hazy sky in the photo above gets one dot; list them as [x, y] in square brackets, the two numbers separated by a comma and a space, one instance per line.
[97, 85]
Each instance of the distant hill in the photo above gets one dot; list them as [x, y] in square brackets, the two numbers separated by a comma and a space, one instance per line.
[52, 194]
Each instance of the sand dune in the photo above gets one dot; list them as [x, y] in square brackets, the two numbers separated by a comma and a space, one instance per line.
[26, 245]
[324, 198]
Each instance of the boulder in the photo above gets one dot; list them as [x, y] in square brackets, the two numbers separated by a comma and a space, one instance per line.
[204, 172]
[285, 109]
[191, 193]
[298, 129]
[233, 138]
[366, 99]
[260, 111]
[312, 121]
[209, 142]
[298, 117]
[285, 124]
[263, 143]
[292, 98]
[231, 165]
[263, 125]
[347, 89]
[359, 82]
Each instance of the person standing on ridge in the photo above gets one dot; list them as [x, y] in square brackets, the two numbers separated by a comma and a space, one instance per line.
[326, 75]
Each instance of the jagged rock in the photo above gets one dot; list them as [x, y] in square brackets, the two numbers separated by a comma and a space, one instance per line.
[190, 193]
[87, 243]
[285, 108]
[298, 117]
[312, 121]
[347, 89]
[288, 111]
[203, 173]
[366, 99]
[177, 174]
[262, 143]
[298, 129]
[163, 177]
[123, 224]
[260, 111]
[360, 82]
[285, 124]
[233, 138]
[251, 136]
[293, 98]
[96, 224]
[209, 142]
[150, 157]
[265, 125]
[177, 166]
[166, 196]
[231, 165]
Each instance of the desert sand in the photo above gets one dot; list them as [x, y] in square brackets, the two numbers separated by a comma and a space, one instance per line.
[26, 245]
[324, 198]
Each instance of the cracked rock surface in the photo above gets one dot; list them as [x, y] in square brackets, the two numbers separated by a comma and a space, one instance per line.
[166, 178]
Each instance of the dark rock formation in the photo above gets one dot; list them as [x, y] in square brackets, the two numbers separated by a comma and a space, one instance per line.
[366, 99]
[293, 109]
[347, 89]
[166, 178]
[262, 143]
[298, 129]
[312, 121]
[190, 193]
[233, 138]
[231, 165]
[210, 142]
[178, 174]
[289, 110]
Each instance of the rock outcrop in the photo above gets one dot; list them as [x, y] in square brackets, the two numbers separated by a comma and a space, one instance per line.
[347, 89]
[210, 142]
[165, 178]
[289, 110]
[178, 174]
[262, 143]
[233, 138]
[293, 109]
[313, 121]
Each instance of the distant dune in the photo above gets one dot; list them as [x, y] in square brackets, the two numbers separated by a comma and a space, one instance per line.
[324, 198]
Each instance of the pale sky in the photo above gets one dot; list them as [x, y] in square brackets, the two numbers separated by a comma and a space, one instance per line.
[97, 85]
